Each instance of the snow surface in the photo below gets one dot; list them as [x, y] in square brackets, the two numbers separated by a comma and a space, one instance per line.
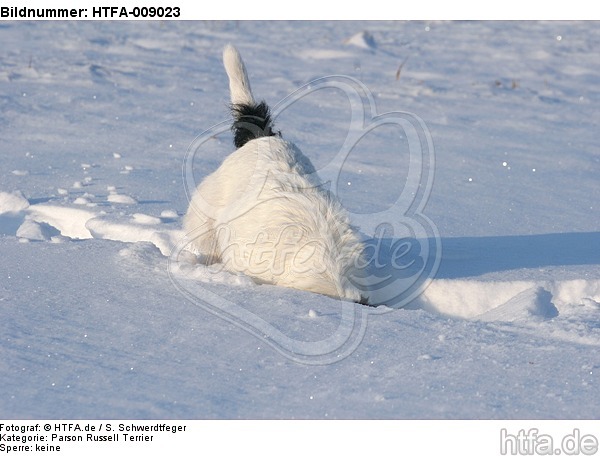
[98, 320]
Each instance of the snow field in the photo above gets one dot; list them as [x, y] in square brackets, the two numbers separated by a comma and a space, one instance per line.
[97, 319]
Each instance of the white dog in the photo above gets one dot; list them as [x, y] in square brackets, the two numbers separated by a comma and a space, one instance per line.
[264, 213]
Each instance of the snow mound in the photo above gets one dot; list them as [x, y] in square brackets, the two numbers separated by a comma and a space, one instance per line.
[49, 222]
[70, 222]
[12, 202]
[131, 229]
[35, 231]
[534, 303]
[81, 201]
[121, 199]
[169, 214]
[12, 212]
[364, 40]
[142, 254]
[468, 298]
[144, 219]
[508, 301]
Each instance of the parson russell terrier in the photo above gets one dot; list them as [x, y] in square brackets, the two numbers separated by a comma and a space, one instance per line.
[264, 211]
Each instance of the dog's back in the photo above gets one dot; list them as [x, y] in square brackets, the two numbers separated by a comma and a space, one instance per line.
[269, 216]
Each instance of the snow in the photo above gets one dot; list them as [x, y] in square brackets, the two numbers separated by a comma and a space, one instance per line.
[12, 202]
[363, 40]
[104, 314]
[120, 199]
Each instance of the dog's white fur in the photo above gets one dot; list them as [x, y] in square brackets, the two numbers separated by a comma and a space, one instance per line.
[239, 85]
[264, 213]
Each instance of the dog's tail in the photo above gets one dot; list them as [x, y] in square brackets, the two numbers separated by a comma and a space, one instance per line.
[251, 120]
[238, 78]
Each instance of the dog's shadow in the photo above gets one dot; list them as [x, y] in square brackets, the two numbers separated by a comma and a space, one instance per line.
[391, 270]
[395, 266]
[467, 257]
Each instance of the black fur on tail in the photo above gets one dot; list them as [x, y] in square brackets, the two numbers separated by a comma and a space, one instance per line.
[251, 122]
